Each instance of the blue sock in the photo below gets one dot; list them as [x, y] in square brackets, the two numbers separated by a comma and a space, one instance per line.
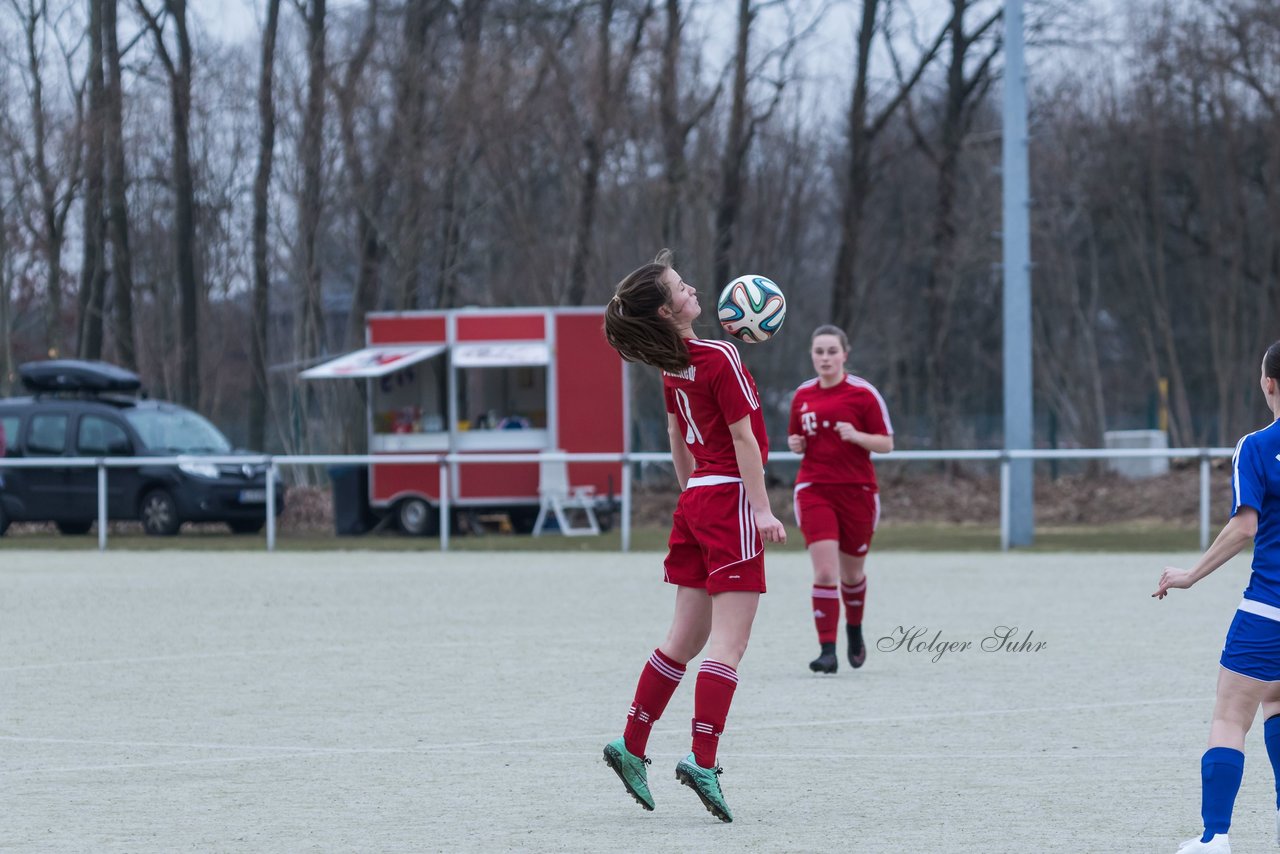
[1221, 769]
[1272, 731]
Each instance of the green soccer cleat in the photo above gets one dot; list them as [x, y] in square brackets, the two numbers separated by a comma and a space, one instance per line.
[630, 769]
[706, 782]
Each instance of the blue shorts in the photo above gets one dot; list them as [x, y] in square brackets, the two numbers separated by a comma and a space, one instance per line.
[1252, 647]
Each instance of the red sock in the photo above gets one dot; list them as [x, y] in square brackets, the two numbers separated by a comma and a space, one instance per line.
[658, 681]
[826, 612]
[712, 695]
[854, 601]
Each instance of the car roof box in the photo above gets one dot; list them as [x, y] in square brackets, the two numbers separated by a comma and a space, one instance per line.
[77, 375]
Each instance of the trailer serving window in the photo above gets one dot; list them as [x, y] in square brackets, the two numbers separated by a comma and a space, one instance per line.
[408, 399]
[502, 394]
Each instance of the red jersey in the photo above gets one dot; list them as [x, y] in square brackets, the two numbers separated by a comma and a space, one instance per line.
[814, 413]
[713, 392]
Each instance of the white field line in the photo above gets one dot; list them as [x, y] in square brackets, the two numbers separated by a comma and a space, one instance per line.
[478, 746]
[193, 656]
[247, 653]
[134, 765]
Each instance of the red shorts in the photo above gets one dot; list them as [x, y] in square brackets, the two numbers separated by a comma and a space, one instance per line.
[846, 512]
[714, 543]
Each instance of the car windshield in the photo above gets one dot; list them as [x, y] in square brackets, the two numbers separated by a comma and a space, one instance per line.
[177, 431]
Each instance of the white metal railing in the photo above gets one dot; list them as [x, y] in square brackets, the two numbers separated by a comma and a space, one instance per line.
[451, 460]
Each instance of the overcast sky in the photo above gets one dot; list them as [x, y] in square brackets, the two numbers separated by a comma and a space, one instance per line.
[826, 55]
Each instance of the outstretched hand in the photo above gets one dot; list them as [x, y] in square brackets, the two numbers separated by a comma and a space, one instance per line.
[1169, 579]
[771, 530]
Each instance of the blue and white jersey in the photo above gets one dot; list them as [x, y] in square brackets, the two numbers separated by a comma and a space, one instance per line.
[1255, 482]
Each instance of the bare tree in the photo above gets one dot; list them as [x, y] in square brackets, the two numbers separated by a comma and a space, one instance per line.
[57, 189]
[677, 120]
[1069, 293]
[965, 90]
[608, 84]
[6, 311]
[93, 267]
[409, 149]
[367, 194]
[744, 121]
[865, 124]
[464, 147]
[310, 319]
[117, 200]
[260, 393]
[179, 70]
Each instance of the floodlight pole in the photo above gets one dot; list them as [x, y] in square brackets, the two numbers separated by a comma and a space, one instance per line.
[1016, 239]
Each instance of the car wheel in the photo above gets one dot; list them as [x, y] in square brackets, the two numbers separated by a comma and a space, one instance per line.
[74, 529]
[4, 520]
[159, 514]
[246, 526]
[417, 517]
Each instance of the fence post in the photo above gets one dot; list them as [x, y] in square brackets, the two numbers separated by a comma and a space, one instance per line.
[102, 504]
[625, 521]
[1006, 512]
[444, 506]
[271, 504]
[1204, 499]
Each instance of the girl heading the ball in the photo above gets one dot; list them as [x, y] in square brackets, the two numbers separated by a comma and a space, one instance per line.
[715, 554]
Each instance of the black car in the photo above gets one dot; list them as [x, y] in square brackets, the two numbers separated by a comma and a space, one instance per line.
[93, 409]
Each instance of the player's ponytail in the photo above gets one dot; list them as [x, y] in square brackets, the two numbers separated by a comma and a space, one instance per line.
[1271, 362]
[634, 326]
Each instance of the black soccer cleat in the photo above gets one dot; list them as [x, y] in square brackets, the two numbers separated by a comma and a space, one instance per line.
[827, 662]
[857, 649]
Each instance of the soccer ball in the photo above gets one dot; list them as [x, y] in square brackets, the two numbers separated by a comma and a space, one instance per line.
[751, 308]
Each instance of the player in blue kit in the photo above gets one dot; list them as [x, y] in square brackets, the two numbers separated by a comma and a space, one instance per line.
[1249, 675]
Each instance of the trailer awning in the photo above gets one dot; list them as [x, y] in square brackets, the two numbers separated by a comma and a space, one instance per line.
[373, 361]
[501, 355]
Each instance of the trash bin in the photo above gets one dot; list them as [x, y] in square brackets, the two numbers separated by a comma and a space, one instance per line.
[351, 513]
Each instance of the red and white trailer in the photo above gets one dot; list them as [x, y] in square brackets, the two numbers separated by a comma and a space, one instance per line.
[481, 381]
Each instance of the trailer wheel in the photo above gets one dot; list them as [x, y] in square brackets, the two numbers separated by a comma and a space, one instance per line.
[417, 517]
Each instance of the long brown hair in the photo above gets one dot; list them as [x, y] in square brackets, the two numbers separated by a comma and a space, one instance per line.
[828, 329]
[633, 325]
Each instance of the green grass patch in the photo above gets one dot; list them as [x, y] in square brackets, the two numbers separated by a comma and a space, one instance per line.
[893, 537]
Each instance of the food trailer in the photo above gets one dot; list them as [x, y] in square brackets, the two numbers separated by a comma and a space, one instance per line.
[478, 381]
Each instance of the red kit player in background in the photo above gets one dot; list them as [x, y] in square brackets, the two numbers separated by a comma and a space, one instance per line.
[837, 420]
[715, 554]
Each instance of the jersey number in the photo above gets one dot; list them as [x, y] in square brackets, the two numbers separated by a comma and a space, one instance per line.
[691, 433]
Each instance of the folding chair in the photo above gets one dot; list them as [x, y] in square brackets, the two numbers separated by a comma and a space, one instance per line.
[556, 496]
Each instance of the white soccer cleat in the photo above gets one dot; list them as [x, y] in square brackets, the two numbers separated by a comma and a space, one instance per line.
[1217, 845]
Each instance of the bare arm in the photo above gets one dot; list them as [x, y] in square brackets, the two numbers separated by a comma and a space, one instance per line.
[751, 469]
[681, 456]
[1235, 535]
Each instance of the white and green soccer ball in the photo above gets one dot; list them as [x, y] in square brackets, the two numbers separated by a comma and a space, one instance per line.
[752, 308]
